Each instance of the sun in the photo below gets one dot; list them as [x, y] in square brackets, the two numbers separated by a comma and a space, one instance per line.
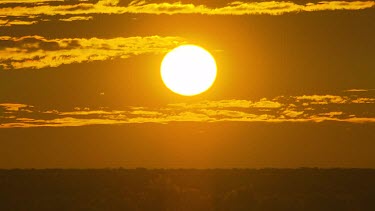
[188, 70]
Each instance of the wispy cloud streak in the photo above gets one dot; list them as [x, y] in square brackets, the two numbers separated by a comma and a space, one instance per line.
[30, 12]
[37, 52]
[352, 109]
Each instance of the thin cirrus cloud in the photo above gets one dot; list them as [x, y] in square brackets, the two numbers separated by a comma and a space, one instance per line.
[37, 52]
[77, 18]
[358, 90]
[306, 108]
[33, 11]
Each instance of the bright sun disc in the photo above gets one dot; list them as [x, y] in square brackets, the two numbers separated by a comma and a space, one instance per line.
[188, 70]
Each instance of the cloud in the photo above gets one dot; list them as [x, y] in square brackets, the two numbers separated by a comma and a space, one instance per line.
[245, 8]
[77, 18]
[332, 113]
[280, 109]
[322, 99]
[16, 22]
[28, 8]
[58, 122]
[38, 52]
[356, 90]
[292, 113]
[13, 106]
[262, 103]
[362, 100]
[27, 1]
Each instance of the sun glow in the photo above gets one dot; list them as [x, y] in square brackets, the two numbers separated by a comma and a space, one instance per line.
[188, 70]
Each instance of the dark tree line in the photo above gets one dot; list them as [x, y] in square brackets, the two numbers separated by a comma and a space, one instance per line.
[188, 189]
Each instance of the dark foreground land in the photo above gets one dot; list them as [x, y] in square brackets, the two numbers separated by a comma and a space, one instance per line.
[193, 190]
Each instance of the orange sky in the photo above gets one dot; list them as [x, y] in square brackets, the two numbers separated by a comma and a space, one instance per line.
[80, 84]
